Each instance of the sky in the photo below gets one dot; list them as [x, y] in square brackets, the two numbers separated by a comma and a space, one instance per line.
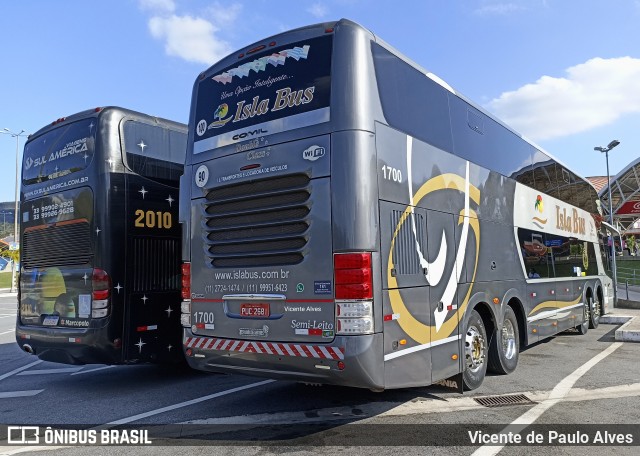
[563, 73]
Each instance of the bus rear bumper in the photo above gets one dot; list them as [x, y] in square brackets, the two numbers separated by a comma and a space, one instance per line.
[68, 345]
[355, 361]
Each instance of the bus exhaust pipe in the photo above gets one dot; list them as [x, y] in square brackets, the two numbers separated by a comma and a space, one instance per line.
[28, 348]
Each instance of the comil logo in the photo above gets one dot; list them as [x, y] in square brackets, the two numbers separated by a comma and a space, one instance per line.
[313, 153]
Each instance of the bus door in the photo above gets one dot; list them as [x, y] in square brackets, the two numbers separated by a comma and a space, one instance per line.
[406, 296]
[444, 274]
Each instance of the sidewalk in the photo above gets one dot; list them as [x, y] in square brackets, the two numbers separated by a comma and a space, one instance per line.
[5, 292]
[627, 314]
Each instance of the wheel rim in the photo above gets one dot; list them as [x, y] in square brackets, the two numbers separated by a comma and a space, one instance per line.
[475, 349]
[596, 311]
[508, 339]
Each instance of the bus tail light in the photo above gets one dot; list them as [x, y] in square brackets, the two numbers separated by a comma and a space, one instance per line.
[101, 289]
[186, 281]
[353, 276]
[185, 314]
[185, 306]
[354, 291]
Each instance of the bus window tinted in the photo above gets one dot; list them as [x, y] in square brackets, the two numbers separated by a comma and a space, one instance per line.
[280, 89]
[59, 152]
[154, 152]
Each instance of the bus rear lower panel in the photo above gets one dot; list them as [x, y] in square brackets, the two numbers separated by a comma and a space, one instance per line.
[68, 345]
[354, 361]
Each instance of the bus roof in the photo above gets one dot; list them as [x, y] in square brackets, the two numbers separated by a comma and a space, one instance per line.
[95, 112]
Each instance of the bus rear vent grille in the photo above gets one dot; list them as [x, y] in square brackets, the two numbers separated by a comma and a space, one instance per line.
[156, 264]
[259, 223]
[504, 401]
[62, 244]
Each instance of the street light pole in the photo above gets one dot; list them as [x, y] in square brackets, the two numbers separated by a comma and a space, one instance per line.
[606, 150]
[15, 226]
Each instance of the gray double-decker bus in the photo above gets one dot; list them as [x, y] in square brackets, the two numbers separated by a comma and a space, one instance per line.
[100, 240]
[351, 219]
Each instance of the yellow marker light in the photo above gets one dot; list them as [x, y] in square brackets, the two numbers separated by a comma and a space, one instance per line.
[454, 357]
[535, 330]
[555, 323]
[403, 342]
[496, 301]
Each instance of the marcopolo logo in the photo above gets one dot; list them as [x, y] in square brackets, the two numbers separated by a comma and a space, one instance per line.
[313, 153]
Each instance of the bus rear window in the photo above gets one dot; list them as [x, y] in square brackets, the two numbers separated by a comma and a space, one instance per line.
[154, 152]
[283, 88]
[60, 152]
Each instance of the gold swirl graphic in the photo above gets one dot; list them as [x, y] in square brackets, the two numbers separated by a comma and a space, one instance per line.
[418, 331]
[554, 305]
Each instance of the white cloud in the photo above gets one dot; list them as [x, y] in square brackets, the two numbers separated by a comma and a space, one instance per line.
[158, 6]
[190, 38]
[224, 16]
[499, 9]
[318, 10]
[595, 93]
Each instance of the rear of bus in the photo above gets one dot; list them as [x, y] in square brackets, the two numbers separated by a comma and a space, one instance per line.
[99, 270]
[279, 206]
[62, 297]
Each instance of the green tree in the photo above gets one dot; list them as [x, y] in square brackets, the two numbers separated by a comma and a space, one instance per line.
[631, 243]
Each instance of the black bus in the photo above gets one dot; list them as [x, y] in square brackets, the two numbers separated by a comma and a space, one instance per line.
[100, 240]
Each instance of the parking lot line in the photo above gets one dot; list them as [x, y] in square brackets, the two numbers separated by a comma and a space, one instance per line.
[20, 369]
[560, 391]
[183, 404]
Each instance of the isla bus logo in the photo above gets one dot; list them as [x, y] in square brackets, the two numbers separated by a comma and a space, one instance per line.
[539, 206]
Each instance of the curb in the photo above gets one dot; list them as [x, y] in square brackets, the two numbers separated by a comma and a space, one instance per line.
[627, 334]
[630, 329]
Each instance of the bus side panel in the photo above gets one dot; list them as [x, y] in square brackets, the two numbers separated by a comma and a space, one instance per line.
[409, 363]
[405, 296]
[446, 311]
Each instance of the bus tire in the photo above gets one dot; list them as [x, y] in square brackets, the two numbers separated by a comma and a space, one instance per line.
[504, 348]
[594, 313]
[584, 327]
[475, 352]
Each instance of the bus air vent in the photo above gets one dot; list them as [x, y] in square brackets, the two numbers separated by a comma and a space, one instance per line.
[156, 264]
[259, 223]
[61, 244]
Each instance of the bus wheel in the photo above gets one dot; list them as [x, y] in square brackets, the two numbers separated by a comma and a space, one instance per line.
[584, 327]
[505, 345]
[594, 307]
[475, 352]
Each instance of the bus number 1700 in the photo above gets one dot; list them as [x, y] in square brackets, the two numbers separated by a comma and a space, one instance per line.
[392, 174]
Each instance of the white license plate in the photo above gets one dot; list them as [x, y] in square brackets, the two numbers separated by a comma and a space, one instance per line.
[51, 320]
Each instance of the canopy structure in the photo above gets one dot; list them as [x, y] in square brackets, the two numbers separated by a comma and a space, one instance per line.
[625, 196]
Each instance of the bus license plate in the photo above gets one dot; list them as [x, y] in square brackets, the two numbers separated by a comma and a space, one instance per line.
[51, 320]
[254, 310]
